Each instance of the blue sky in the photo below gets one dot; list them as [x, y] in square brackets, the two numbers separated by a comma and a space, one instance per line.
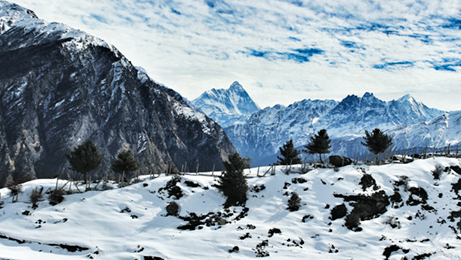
[283, 51]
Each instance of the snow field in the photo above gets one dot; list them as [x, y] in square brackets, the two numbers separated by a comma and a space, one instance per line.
[100, 221]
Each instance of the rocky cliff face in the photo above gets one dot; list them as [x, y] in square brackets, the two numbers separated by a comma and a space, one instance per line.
[60, 87]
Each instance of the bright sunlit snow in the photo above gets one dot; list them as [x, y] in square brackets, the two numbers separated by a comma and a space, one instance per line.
[131, 222]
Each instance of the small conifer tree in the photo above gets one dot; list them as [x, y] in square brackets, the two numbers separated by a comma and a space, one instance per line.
[124, 163]
[294, 203]
[289, 155]
[84, 158]
[319, 143]
[232, 182]
[377, 142]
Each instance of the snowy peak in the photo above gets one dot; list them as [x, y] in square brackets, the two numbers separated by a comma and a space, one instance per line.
[226, 106]
[264, 132]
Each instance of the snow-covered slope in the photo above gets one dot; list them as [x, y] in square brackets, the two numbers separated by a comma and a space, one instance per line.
[265, 131]
[438, 132]
[132, 222]
[226, 106]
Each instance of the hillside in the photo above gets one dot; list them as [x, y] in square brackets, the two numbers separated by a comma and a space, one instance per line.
[131, 222]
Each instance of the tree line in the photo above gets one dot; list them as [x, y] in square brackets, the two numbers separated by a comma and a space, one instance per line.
[377, 142]
[86, 158]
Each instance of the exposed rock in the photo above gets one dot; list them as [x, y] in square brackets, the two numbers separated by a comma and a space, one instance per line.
[396, 200]
[339, 161]
[367, 181]
[456, 169]
[456, 186]
[339, 211]
[417, 196]
[172, 208]
[367, 207]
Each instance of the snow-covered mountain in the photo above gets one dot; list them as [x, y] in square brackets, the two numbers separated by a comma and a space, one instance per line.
[60, 86]
[226, 106]
[265, 131]
[402, 213]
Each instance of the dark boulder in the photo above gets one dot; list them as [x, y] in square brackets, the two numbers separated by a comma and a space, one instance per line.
[339, 211]
[418, 196]
[339, 161]
[368, 181]
[367, 207]
[173, 208]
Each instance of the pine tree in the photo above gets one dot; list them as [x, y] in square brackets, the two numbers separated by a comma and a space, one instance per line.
[232, 183]
[124, 163]
[294, 203]
[320, 143]
[289, 154]
[84, 158]
[377, 142]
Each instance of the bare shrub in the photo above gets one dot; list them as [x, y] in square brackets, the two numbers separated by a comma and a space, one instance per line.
[15, 190]
[35, 196]
[56, 197]
[437, 172]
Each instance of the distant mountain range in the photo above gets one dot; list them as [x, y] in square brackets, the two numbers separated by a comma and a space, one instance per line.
[411, 123]
[60, 86]
[227, 106]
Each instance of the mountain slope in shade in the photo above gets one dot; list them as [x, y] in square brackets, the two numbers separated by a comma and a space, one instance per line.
[60, 86]
[265, 131]
[226, 106]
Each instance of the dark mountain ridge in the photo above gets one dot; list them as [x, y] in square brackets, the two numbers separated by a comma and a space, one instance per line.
[60, 87]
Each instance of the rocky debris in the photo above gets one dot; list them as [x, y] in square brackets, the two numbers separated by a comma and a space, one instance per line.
[172, 208]
[396, 200]
[339, 161]
[260, 249]
[306, 218]
[172, 188]
[367, 207]
[126, 209]
[152, 258]
[70, 248]
[294, 243]
[393, 248]
[402, 181]
[368, 181]
[417, 196]
[456, 187]
[456, 169]
[339, 211]
[210, 219]
[247, 235]
[333, 249]
[235, 249]
[191, 184]
[258, 188]
[273, 231]
[298, 180]
[422, 256]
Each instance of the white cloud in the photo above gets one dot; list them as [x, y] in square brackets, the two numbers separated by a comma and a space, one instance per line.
[387, 47]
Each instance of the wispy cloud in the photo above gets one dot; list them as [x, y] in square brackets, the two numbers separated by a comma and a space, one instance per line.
[287, 46]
